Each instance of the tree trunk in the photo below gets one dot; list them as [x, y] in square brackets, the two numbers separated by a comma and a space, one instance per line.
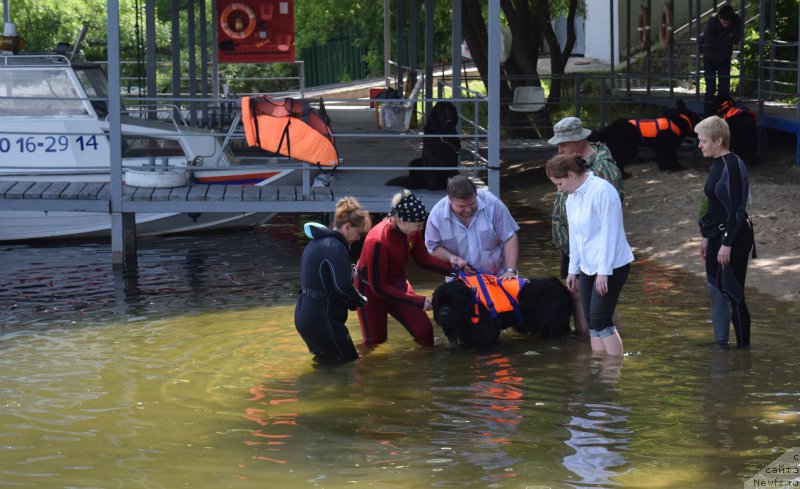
[530, 23]
[476, 35]
[558, 56]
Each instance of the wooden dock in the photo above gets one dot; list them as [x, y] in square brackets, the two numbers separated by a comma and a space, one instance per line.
[96, 197]
[361, 145]
[371, 158]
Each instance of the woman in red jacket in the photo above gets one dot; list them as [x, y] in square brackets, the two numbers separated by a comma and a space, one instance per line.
[382, 276]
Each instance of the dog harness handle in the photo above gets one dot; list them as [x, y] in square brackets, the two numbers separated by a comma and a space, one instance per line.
[480, 280]
[512, 299]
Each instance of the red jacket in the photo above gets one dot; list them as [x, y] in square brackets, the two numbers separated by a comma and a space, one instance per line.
[382, 264]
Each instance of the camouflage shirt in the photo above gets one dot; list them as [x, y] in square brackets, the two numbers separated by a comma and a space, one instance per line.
[602, 164]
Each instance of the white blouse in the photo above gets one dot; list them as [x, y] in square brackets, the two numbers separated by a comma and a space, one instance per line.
[597, 242]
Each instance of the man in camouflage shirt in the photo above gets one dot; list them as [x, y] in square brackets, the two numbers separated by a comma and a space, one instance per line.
[570, 137]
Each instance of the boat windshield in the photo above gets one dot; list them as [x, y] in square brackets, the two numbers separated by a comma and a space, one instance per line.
[149, 146]
[95, 83]
[39, 92]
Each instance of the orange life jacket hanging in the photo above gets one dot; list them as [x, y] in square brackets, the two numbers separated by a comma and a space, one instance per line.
[291, 128]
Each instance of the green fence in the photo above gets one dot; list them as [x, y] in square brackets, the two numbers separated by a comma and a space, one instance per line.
[338, 60]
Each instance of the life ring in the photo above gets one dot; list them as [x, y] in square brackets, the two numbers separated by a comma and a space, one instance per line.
[643, 29]
[667, 25]
[241, 32]
[160, 178]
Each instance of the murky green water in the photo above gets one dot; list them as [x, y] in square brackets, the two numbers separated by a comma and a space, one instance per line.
[190, 374]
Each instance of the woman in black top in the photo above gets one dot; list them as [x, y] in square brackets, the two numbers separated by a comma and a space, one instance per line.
[326, 278]
[727, 232]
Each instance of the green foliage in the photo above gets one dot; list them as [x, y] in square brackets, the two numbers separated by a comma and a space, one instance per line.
[319, 21]
[44, 24]
[259, 78]
[561, 7]
[785, 31]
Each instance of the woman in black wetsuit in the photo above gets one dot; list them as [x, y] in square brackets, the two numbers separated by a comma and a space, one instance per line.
[327, 292]
[727, 232]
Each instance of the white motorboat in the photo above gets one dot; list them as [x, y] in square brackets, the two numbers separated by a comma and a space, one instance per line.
[54, 127]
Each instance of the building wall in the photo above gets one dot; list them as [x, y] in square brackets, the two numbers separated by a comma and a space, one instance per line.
[598, 30]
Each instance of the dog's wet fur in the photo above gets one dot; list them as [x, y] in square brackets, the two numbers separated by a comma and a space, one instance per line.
[436, 151]
[545, 306]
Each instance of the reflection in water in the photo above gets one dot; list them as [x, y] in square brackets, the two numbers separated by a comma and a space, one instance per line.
[729, 372]
[71, 283]
[486, 416]
[598, 426]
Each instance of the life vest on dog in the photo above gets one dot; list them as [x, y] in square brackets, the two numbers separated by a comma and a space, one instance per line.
[649, 128]
[728, 109]
[495, 294]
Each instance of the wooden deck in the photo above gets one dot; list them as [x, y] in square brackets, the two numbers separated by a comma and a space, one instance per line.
[361, 145]
[96, 197]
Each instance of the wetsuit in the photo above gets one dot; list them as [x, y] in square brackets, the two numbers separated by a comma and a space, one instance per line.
[327, 293]
[727, 190]
[383, 279]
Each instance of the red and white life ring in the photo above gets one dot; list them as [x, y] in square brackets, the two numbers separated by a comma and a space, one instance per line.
[240, 32]
[667, 25]
[643, 27]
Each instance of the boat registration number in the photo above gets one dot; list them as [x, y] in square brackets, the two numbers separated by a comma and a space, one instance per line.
[47, 144]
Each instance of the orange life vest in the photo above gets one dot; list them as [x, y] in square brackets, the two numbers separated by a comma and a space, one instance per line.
[288, 127]
[649, 128]
[496, 295]
[728, 110]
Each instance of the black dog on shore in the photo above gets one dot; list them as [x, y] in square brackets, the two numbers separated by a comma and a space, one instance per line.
[664, 134]
[438, 150]
[743, 125]
[544, 309]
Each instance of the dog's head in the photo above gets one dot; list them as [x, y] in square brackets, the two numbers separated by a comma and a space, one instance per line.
[685, 119]
[452, 307]
[443, 119]
[722, 104]
[454, 311]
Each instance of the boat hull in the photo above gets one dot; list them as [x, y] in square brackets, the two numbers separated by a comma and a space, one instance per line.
[30, 225]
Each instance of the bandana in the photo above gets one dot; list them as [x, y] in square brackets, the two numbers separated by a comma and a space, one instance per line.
[410, 209]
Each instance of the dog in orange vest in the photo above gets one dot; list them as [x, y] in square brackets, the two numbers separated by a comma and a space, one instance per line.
[743, 125]
[664, 135]
[473, 309]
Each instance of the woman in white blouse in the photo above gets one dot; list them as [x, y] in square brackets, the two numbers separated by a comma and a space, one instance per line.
[599, 254]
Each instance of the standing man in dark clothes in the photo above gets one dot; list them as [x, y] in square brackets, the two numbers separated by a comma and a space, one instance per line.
[724, 29]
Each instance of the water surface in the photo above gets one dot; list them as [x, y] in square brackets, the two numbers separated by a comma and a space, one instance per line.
[189, 373]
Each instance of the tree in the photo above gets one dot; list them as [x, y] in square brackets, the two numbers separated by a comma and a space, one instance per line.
[44, 24]
[530, 22]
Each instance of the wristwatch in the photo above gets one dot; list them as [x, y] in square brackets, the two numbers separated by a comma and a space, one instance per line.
[511, 270]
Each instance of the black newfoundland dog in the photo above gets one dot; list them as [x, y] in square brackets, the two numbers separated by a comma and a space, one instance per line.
[664, 135]
[545, 309]
[743, 124]
[438, 149]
